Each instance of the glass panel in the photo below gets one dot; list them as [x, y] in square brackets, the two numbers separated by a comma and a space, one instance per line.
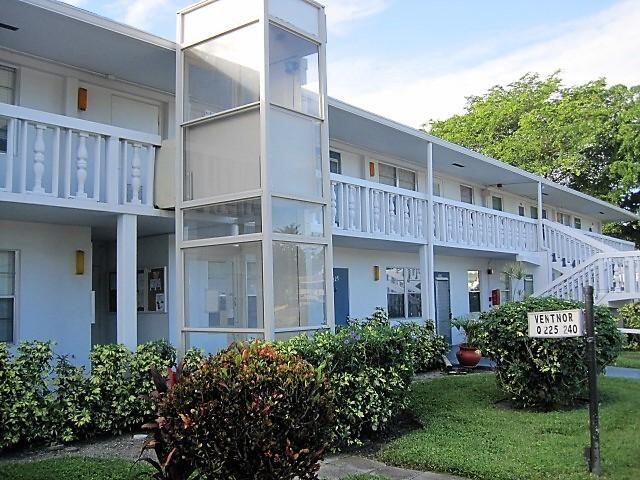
[222, 73]
[473, 285]
[241, 217]
[223, 286]
[298, 272]
[577, 223]
[295, 154]
[222, 156]
[528, 285]
[414, 297]
[6, 320]
[387, 174]
[395, 292]
[293, 72]
[213, 342]
[297, 12]
[284, 336]
[335, 162]
[521, 210]
[406, 179]
[496, 203]
[533, 212]
[218, 17]
[297, 218]
[7, 273]
[466, 194]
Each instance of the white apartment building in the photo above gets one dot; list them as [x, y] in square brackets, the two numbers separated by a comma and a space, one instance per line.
[208, 190]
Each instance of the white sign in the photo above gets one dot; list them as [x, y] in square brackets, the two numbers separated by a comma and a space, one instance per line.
[556, 324]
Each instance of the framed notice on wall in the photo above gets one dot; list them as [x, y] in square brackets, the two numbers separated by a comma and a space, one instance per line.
[151, 290]
[156, 289]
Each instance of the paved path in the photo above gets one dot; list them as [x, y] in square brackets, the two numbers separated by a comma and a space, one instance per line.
[620, 372]
[338, 467]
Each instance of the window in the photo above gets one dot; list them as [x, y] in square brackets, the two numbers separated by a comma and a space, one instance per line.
[240, 217]
[396, 177]
[533, 212]
[436, 187]
[335, 162]
[7, 295]
[544, 213]
[7, 95]
[292, 217]
[496, 203]
[505, 288]
[521, 210]
[466, 194]
[404, 298]
[528, 285]
[563, 218]
[473, 285]
[577, 223]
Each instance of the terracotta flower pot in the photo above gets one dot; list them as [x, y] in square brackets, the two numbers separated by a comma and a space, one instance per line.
[468, 356]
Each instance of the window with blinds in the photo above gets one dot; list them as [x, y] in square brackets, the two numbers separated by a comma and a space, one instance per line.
[7, 95]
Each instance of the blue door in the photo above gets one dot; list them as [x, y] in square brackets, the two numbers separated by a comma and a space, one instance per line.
[341, 295]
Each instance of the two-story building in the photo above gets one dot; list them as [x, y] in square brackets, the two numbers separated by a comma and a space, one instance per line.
[208, 189]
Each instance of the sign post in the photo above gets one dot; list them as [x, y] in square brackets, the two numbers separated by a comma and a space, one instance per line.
[576, 323]
[594, 421]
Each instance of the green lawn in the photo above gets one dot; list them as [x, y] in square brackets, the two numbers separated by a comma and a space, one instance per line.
[466, 433]
[628, 359]
[70, 468]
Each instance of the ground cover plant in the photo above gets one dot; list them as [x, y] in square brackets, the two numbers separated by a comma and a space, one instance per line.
[72, 468]
[468, 430]
[543, 373]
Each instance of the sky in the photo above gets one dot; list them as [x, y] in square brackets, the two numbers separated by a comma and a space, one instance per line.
[417, 60]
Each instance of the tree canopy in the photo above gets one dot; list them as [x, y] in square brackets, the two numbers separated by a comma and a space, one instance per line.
[586, 136]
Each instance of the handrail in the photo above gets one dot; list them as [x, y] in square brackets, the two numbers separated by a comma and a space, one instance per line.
[607, 238]
[578, 235]
[478, 208]
[38, 116]
[335, 177]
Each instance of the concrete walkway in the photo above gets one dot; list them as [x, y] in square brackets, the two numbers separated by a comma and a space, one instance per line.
[335, 468]
[620, 372]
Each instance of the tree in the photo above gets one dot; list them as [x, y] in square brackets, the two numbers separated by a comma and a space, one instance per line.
[586, 137]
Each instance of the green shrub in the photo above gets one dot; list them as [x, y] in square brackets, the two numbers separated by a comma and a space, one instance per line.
[43, 399]
[428, 347]
[630, 316]
[370, 367]
[537, 372]
[249, 412]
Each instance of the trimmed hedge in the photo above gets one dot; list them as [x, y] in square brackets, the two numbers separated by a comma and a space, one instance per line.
[44, 398]
[630, 316]
[538, 372]
[370, 365]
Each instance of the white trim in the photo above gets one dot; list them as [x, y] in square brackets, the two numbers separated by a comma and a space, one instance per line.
[218, 199]
[302, 329]
[216, 241]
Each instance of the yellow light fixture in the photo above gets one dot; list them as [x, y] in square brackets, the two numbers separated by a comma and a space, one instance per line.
[79, 262]
[376, 273]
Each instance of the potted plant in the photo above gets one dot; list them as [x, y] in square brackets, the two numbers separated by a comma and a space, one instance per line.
[468, 354]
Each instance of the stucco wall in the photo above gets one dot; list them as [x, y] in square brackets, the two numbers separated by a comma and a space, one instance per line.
[53, 302]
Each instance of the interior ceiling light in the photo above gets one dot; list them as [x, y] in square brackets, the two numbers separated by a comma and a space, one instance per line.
[458, 165]
[6, 26]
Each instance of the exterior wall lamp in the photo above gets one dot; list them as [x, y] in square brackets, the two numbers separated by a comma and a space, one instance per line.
[376, 273]
[79, 262]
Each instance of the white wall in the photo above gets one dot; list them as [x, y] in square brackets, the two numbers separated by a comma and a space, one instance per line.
[365, 294]
[53, 302]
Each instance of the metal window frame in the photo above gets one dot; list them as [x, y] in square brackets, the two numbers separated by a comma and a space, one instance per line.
[14, 297]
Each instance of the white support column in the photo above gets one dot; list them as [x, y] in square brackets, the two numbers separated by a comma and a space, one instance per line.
[426, 251]
[126, 272]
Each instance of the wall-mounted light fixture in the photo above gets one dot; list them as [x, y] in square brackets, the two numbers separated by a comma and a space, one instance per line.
[83, 99]
[376, 273]
[79, 262]
[372, 169]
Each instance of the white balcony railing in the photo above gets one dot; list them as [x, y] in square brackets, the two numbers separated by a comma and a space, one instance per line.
[378, 211]
[367, 209]
[621, 245]
[54, 156]
[466, 225]
[568, 246]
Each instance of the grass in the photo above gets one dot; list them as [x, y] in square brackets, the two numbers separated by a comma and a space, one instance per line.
[467, 434]
[628, 359]
[70, 468]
